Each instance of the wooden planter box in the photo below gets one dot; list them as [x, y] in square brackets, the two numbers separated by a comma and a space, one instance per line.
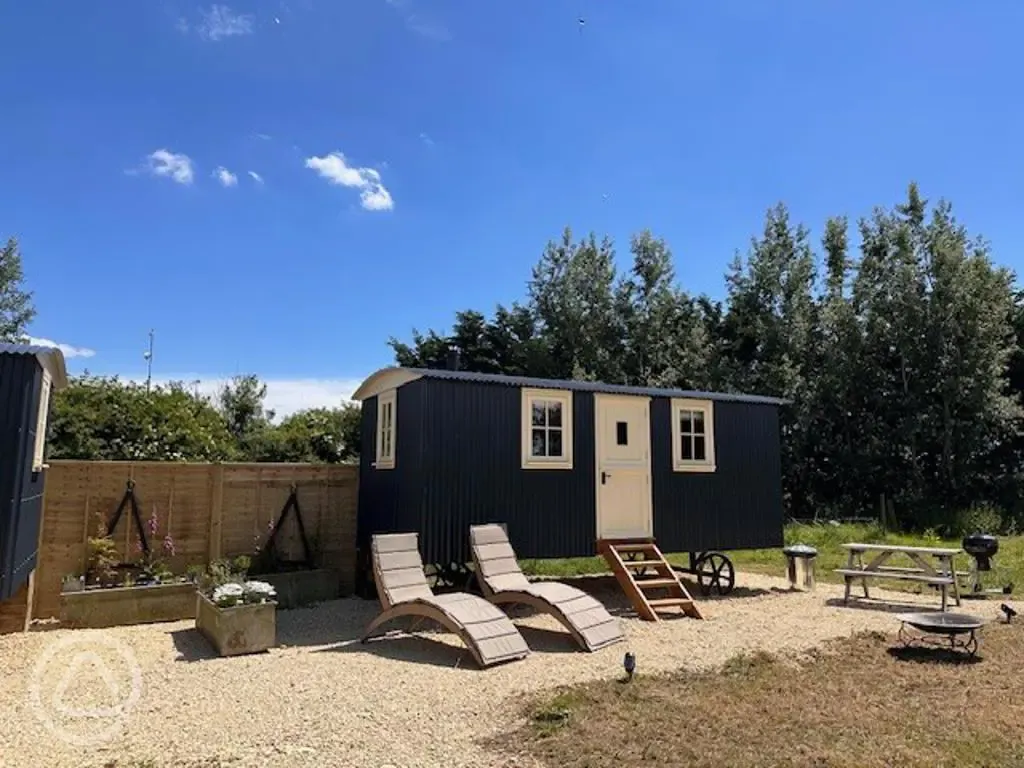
[119, 606]
[239, 629]
[297, 588]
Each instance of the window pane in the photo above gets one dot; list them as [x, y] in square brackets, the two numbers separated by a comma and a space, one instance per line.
[686, 452]
[537, 414]
[554, 414]
[621, 433]
[555, 443]
[539, 446]
[685, 422]
[698, 422]
[699, 453]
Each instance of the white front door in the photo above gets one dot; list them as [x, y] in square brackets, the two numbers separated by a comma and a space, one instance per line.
[623, 448]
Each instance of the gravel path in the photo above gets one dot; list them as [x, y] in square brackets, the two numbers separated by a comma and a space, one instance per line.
[322, 699]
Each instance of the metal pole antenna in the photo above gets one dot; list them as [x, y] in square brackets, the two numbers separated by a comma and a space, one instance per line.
[149, 361]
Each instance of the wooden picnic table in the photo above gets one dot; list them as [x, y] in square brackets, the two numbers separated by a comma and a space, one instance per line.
[932, 565]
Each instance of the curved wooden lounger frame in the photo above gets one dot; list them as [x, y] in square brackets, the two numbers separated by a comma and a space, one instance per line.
[427, 611]
[503, 582]
[403, 590]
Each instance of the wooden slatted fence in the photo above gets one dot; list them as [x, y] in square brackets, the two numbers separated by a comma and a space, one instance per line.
[209, 510]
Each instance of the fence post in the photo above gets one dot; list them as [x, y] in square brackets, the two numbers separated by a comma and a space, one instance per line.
[216, 509]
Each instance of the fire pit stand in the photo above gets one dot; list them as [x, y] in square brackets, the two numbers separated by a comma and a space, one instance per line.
[941, 630]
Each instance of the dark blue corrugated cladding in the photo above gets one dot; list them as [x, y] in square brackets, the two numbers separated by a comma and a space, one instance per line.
[472, 461]
[588, 386]
[21, 490]
[736, 507]
[391, 500]
[458, 463]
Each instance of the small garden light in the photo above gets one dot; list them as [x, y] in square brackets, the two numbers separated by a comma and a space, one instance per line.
[1010, 613]
[629, 663]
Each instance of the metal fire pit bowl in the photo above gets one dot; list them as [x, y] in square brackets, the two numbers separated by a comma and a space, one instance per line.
[939, 629]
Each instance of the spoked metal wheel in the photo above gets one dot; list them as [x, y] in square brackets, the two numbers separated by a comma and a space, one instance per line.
[451, 576]
[715, 574]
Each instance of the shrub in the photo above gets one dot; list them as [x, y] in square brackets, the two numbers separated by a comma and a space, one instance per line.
[978, 518]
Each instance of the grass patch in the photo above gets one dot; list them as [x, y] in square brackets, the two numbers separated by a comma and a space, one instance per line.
[855, 702]
[828, 540]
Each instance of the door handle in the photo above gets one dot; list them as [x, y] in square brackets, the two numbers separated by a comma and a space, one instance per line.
[604, 477]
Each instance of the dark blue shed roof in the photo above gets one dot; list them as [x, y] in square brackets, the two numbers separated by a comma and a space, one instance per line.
[51, 358]
[388, 378]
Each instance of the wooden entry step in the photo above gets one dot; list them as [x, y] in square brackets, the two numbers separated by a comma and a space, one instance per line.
[628, 560]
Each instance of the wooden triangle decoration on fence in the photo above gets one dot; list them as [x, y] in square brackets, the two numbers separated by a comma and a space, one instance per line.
[291, 504]
[129, 498]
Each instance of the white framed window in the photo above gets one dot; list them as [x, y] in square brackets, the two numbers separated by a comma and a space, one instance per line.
[38, 453]
[693, 435]
[386, 430]
[547, 429]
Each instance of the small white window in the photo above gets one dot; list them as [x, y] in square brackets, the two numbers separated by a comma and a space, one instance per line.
[41, 421]
[386, 430]
[693, 436]
[547, 429]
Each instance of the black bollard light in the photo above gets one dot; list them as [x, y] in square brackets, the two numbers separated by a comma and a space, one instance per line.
[629, 664]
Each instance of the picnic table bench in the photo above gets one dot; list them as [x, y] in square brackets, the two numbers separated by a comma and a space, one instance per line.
[940, 574]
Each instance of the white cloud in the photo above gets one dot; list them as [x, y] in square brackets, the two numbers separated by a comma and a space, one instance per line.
[255, 177]
[373, 195]
[175, 166]
[426, 140]
[262, 136]
[67, 349]
[284, 396]
[225, 177]
[220, 21]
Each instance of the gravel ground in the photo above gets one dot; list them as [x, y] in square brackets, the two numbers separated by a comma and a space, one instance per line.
[323, 699]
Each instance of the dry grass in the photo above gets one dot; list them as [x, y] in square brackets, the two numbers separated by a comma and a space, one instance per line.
[855, 702]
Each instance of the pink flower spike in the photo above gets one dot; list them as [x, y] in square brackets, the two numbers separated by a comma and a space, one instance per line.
[153, 523]
[169, 545]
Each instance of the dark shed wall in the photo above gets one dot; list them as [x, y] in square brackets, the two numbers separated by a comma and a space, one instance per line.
[391, 500]
[472, 464]
[21, 490]
[458, 462]
[740, 505]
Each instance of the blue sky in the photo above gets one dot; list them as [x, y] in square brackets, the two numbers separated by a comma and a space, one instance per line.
[386, 163]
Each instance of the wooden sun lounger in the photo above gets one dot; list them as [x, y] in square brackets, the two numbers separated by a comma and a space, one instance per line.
[502, 581]
[403, 590]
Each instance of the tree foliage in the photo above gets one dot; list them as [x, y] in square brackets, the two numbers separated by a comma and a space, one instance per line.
[106, 418]
[902, 354]
[897, 339]
[16, 308]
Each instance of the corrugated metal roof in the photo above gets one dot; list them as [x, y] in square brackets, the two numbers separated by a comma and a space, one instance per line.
[51, 358]
[400, 376]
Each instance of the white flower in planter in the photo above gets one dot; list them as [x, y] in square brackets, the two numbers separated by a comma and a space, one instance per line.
[227, 595]
[259, 592]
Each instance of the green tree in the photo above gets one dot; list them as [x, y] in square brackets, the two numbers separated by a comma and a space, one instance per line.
[665, 341]
[315, 435]
[572, 296]
[770, 333]
[240, 402]
[16, 308]
[104, 418]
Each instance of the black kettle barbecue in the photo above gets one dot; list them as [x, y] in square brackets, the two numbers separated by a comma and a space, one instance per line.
[982, 547]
